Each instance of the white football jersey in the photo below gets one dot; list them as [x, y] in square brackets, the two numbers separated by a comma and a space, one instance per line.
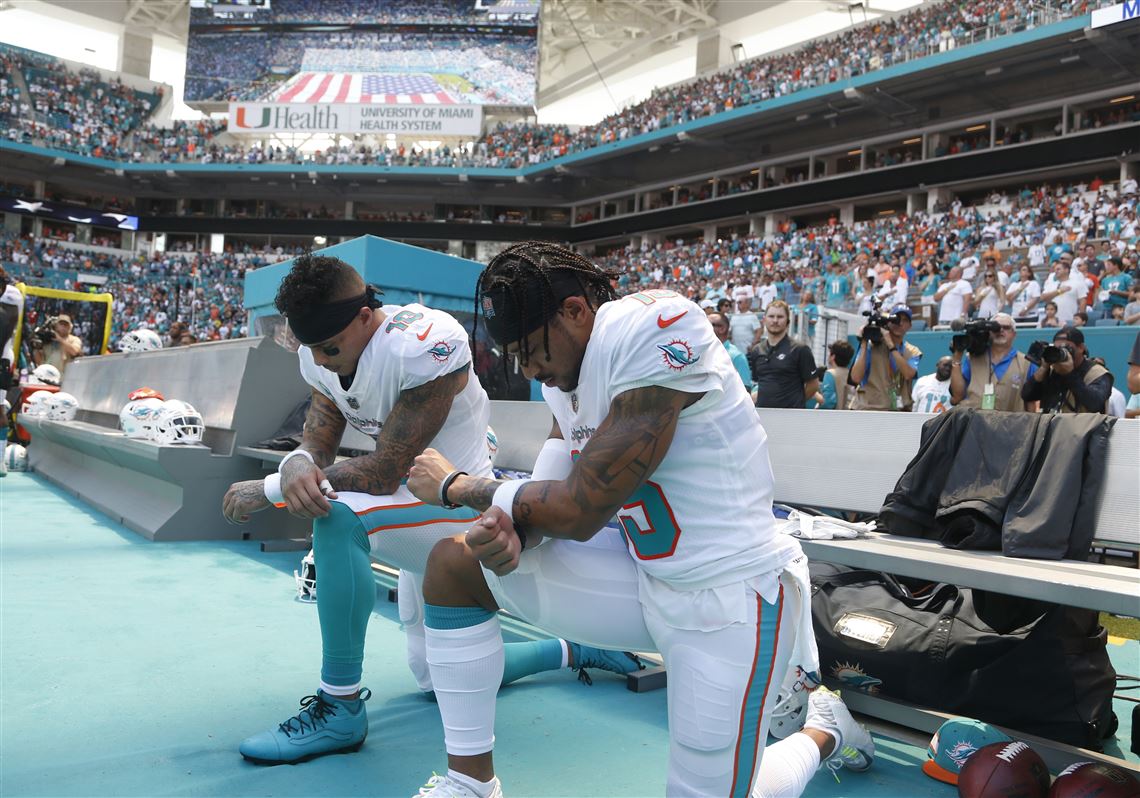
[704, 517]
[413, 346]
[11, 296]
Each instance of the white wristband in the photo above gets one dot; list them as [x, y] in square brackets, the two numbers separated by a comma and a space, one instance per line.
[295, 453]
[504, 497]
[272, 489]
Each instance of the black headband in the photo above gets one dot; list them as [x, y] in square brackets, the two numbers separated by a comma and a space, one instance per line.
[325, 321]
[500, 308]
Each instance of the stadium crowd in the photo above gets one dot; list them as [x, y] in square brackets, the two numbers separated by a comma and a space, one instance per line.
[906, 259]
[1011, 252]
[184, 296]
[90, 129]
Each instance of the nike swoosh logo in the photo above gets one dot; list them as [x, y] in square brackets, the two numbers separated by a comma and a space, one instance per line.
[663, 323]
[428, 330]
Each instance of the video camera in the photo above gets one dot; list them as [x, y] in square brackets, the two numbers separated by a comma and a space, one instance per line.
[972, 336]
[1044, 351]
[877, 321]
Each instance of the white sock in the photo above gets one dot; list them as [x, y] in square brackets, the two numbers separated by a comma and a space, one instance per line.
[466, 669]
[483, 788]
[787, 767]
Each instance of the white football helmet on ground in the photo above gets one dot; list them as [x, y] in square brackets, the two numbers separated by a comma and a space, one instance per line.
[140, 340]
[178, 422]
[47, 374]
[306, 579]
[16, 457]
[792, 702]
[36, 404]
[62, 406]
[137, 418]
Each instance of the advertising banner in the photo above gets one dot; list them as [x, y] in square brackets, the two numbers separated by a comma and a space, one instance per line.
[428, 120]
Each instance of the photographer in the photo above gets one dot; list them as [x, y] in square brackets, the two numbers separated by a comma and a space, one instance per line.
[54, 343]
[885, 364]
[986, 349]
[1066, 381]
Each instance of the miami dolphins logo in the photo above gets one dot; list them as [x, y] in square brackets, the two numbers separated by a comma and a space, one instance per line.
[852, 675]
[678, 354]
[960, 752]
[441, 351]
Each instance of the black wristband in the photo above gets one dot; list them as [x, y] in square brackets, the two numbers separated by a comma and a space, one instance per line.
[443, 486]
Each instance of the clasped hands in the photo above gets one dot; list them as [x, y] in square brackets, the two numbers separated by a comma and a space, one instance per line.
[492, 539]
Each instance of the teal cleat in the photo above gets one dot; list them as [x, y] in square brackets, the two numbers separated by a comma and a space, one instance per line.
[619, 662]
[325, 725]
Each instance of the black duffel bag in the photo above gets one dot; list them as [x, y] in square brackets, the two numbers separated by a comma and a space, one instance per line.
[1035, 667]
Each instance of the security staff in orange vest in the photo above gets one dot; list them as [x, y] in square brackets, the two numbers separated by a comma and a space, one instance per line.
[992, 380]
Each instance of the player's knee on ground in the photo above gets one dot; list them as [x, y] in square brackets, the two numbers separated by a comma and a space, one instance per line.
[450, 567]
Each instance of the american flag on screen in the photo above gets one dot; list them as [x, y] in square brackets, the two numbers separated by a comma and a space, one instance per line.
[340, 87]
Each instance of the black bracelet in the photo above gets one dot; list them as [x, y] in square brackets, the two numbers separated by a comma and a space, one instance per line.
[443, 486]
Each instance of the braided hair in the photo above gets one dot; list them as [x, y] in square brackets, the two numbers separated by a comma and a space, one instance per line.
[517, 269]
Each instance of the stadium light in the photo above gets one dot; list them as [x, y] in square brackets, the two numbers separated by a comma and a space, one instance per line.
[683, 136]
[803, 117]
[852, 93]
[1070, 59]
[1116, 100]
[520, 178]
[993, 71]
[312, 175]
[320, 241]
[915, 140]
[975, 128]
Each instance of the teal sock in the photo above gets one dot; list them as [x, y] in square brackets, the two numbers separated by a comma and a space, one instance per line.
[524, 659]
[346, 595]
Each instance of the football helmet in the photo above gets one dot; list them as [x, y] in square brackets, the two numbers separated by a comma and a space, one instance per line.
[47, 374]
[145, 393]
[306, 579]
[492, 441]
[16, 457]
[792, 702]
[137, 418]
[140, 340]
[178, 422]
[62, 406]
[36, 404]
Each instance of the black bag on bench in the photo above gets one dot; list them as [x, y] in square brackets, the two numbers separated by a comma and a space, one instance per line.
[1038, 668]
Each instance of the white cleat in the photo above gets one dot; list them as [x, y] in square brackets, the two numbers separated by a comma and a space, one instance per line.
[854, 748]
[446, 787]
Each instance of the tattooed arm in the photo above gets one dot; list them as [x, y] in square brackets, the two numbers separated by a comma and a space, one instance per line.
[417, 417]
[627, 448]
[324, 426]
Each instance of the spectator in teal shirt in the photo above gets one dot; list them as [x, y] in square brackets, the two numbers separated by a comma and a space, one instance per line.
[719, 324]
[811, 312]
[1116, 284]
[838, 287]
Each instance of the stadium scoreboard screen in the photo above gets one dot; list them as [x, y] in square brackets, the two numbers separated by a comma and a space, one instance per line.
[391, 52]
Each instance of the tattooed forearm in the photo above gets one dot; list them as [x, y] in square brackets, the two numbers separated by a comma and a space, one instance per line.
[324, 427]
[628, 446]
[418, 416]
[474, 492]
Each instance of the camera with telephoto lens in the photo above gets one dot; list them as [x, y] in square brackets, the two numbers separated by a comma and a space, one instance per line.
[972, 336]
[45, 333]
[1043, 351]
[877, 321]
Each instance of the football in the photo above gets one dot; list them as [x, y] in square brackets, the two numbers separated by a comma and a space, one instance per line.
[1004, 770]
[1088, 779]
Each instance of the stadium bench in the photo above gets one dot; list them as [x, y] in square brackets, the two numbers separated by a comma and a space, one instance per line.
[242, 388]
